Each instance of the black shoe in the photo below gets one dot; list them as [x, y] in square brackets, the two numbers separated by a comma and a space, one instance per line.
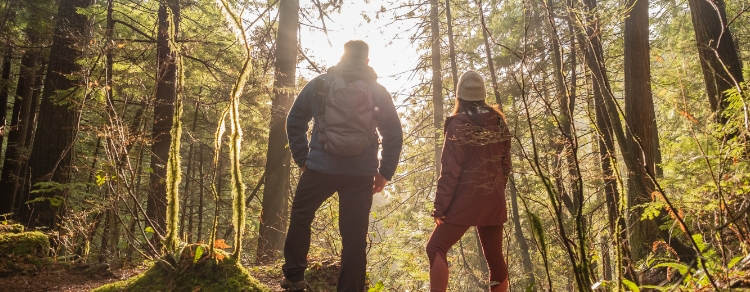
[288, 285]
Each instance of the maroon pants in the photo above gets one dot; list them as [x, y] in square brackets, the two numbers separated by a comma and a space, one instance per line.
[446, 235]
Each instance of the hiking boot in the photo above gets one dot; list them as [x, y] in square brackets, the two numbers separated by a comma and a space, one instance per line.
[289, 285]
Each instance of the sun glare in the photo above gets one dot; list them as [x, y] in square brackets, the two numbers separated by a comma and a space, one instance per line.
[390, 54]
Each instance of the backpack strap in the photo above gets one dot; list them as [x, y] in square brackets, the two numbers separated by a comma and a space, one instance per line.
[321, 93]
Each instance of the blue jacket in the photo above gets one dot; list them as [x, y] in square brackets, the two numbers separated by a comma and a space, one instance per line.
[311, 152]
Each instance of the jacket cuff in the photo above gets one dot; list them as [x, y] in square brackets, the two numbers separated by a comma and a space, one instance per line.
[437, 214]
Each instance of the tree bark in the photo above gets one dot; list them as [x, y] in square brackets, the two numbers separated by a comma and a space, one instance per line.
[488, 52]
[437, 82]
[15, 153]
[4, 89]
[640, 117]
[523, 247]
[722, 67]
[451, 45]
[29, 129]
[57, 118]
[200, 194]
[189, 179]
[166, 92]
[276, 193]
[595, 62]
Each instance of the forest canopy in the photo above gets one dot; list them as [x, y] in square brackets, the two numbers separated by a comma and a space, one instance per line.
[142, 131]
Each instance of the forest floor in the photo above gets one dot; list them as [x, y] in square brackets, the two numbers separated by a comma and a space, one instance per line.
[61, 278]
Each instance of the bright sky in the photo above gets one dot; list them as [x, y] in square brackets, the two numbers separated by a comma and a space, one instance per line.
[390, 51]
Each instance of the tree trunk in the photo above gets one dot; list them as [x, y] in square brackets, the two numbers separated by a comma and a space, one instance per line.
[166, 92]
[488, 52]
[437, 82]
[722, 67]
[200, 193]
[276, 190]
[29, 128]
[639, 116]
[562, 96]
[15, 152]
[451, 46]
[57, 123]
[595, 62]
[4, 88]
[188, 179]
[523, 247]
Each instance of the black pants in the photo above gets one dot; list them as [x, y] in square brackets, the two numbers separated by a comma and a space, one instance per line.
[355, 200]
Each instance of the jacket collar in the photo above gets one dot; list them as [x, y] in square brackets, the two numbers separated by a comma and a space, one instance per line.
[350, 70]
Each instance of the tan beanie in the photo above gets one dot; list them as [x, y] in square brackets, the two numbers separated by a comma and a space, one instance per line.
[471, 87]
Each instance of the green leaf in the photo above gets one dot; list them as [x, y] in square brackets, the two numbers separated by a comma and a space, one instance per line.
[698, 238]
[149, 229]
[198, 254]
[378, 287]
[632, 286]
[734, 261]
[100, 179]
[680, 267]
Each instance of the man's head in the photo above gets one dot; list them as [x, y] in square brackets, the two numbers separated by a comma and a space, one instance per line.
[356, 52]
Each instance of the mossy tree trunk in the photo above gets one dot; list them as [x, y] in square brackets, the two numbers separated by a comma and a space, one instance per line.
[166, 92]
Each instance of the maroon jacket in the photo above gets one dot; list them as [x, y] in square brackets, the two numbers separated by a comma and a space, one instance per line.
[475, 168]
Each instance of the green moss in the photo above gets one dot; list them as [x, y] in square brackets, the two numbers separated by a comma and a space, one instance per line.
[26, 243]
[188, 275]
[23, 252]
[11, 228]
[323, 275]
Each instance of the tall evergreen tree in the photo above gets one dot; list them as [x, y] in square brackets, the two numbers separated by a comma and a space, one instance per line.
[722, 67]
[166, 92]
[4, 92]
[58, 116]
[276, 190]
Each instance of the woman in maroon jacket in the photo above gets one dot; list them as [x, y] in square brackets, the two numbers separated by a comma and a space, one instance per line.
[471, 187]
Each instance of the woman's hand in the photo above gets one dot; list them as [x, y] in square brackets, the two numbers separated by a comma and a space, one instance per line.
[438, 220]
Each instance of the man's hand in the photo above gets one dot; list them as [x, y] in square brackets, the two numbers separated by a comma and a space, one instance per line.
[378, 183]
[303, 167]
[438, 221]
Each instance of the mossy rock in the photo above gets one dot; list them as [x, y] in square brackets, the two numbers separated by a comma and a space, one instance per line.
[323, 275]
[11, 228]
[190, 275]
[23, 252]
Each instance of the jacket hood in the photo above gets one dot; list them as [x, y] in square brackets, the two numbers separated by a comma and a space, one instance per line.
[354, 71]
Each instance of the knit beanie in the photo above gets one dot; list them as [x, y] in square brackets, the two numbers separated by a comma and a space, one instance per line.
[471, 87]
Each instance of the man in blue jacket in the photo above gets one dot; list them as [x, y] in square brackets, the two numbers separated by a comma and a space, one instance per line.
[355, 178]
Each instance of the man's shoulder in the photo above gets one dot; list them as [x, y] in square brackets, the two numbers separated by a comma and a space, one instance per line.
[380, 90]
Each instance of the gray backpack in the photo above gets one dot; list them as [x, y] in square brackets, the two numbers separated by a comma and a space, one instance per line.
[347, 116]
